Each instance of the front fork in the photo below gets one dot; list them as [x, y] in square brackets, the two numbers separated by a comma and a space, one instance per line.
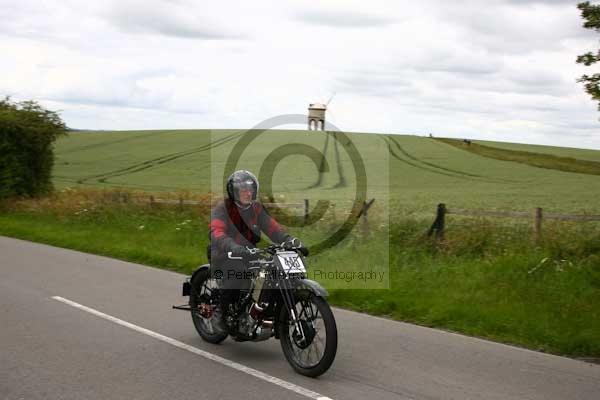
[289, 301]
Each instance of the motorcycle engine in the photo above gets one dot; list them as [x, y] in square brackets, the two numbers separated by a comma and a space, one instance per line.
[256, 329]
[247, 325]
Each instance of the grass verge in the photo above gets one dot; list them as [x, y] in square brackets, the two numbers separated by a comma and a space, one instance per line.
[484, 280]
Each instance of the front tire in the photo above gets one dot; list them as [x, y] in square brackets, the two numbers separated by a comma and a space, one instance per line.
[203, 293]
[309, 354]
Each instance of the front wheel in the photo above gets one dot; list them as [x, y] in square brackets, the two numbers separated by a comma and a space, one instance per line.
[204, 314]
[310, 345]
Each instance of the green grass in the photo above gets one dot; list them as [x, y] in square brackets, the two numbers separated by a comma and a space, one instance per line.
[147, 238]
[484, 280]
[540, 160]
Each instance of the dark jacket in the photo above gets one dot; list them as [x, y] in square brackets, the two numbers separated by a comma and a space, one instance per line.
[231, 227]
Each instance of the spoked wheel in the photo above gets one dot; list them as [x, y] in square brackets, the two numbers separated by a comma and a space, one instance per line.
[204, 315]
[310, 347]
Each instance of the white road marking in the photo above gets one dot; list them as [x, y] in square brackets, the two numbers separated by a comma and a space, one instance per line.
[232, 364]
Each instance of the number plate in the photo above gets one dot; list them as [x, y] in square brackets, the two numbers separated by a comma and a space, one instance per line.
[291, 262]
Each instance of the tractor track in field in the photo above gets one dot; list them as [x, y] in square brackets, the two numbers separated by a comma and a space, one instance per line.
[431, 164]
[430, 167]
[136, 185]
[412, 164]
[340, 168]
[109, 142]
[322, 164]
[144, 165]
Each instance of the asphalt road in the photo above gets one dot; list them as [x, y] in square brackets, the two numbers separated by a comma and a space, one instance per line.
[125, 342]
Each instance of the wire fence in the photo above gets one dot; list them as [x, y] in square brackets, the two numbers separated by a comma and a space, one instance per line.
[536, 215]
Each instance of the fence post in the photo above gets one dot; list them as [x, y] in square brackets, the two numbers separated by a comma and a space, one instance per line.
[305, 211]
[365, 221]
[537, 224]
[180, 203]
[363, 213]
[439, 223]
[151, 201]
[442, 222]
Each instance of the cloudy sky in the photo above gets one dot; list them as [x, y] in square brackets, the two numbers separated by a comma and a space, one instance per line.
[495, 70]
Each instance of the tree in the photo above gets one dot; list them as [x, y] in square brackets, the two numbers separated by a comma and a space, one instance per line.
[27, 134]
[591, 15]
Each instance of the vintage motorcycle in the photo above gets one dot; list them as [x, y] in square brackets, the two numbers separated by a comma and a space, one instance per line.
[280, 302]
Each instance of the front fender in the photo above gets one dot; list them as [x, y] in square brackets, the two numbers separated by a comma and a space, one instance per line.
[311, 286]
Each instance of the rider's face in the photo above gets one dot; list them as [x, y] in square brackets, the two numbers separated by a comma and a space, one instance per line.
[246, 195]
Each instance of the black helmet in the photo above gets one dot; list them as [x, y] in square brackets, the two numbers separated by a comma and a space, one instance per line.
[241, 179]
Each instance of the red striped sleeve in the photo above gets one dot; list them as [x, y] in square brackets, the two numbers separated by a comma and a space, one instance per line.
[217, 228]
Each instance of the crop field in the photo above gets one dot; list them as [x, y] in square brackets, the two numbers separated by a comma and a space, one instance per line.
[413, 174]
[581, 154]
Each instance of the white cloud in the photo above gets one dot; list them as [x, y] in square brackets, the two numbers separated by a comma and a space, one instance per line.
[514, 27]
[169, 18]
[459, 68]
[343, 19]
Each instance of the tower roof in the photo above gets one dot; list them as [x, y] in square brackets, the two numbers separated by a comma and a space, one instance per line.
[317, 106]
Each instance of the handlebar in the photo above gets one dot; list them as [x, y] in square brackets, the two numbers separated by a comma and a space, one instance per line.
[231, 257]
[270, 250]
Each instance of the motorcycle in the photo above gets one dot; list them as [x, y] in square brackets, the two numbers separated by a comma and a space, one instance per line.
[281, 302]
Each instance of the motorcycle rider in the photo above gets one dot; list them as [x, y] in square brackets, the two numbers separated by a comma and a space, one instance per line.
[235, 226]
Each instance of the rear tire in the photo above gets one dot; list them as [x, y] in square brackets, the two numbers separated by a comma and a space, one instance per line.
[323, 322]
[201, 293]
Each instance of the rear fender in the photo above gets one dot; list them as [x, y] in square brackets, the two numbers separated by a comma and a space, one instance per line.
[187, 286]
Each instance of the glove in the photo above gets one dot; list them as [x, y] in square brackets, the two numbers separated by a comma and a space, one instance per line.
[295, 243]
[303, 250]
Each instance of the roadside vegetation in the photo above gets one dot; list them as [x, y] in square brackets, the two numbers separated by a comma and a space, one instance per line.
[549, 161]
[487, 278]
[27, 135]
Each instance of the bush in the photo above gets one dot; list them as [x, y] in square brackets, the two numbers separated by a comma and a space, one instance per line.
[27, 133]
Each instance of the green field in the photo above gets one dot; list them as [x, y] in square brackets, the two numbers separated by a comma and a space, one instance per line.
[486, 278]
[581, 154]
[413, 173]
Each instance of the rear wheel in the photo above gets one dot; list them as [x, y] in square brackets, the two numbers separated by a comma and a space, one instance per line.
[311, 346]
[205, 313]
